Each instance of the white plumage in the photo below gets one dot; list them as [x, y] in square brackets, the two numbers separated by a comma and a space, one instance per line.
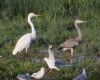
[40, 74]
[51, 54]
[25, 41]
[51, 59]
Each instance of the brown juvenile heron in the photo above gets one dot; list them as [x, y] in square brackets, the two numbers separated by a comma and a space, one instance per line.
[69, 44]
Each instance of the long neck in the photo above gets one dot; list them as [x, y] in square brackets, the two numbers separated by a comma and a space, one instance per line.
[42, 71]
[49, 48]
[32, 26]
[84, 72]
[79, 32]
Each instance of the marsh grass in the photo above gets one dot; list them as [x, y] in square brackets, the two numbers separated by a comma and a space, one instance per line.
[54, 26]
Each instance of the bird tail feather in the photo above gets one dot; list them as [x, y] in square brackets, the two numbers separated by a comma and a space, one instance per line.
[57, 69]
[59, 48]
[33, 75]
[14, 52]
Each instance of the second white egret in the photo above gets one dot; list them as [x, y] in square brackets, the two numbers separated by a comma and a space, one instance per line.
[51, 59]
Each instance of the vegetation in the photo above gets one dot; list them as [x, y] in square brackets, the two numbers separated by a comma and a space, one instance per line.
[53, 27]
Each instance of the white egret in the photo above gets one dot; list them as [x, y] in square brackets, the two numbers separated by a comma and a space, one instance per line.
[40, 74]
[51, 53]
[51, 59]
[25, 41]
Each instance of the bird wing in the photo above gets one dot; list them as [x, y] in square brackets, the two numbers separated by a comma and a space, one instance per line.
[34, 74]
[37, 73]
[53, 65]
[51, 55]
[69, 43]
[24, 40]
[51, 62]
[22, 43]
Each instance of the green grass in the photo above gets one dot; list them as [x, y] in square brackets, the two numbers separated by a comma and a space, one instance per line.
[53, 27]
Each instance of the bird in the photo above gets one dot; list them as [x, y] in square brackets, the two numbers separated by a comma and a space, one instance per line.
[40, 74]
[25, 41]
[51, 53]
[82, 76]
[24, 77]
[51, 59]
[69, 44]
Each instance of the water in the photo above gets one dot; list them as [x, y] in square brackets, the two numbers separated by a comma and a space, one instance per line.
[63, 62]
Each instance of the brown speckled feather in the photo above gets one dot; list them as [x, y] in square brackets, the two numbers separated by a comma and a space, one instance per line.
[69, 43]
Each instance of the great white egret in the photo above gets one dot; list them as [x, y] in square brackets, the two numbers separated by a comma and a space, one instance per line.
[40, 74]
[25, 41]
[51, 59]
[69, 44]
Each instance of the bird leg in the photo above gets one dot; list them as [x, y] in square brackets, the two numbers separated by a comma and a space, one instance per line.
[26, 50]
[72, 52]
[50, 70]
[28, 56]
[72, 55]
[71, 60]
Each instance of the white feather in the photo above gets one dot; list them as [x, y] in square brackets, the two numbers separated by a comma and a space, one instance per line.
[25, 41]
[50, 64]
[51, 59]
[51, 54]
[39, 74]
[22, 43]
